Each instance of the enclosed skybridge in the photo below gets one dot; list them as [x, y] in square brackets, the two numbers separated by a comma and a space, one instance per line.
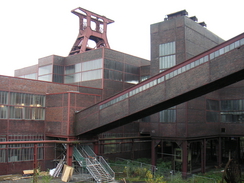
[214, 69]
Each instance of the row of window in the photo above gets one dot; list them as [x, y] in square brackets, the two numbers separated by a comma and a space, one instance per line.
[30, 76]
[22, 99]
[118, 76]
[227, 49]
[225, 105]
[83, 76]
[21, 152]
[225, 111]
[22, 106]
[168, 76]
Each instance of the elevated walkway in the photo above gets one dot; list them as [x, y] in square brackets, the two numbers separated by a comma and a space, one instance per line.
[214, 69]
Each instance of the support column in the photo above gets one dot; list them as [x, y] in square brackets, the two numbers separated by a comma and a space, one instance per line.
[238, 149]
[70, 152]
[133, 149]
[203, 156]
[162, 149]
[96, 147]
[153, 153]
[184, 159]
[35, 163]
[220, 151]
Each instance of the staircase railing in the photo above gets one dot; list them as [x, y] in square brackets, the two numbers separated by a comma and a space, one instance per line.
[79, 158]
[93, 170]
[96, 165]
[89, 151]
[106, 166]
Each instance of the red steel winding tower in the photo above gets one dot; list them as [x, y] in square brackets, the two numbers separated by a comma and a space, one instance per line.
[93, 29]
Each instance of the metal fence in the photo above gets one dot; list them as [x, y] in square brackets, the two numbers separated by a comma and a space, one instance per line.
[128, 169]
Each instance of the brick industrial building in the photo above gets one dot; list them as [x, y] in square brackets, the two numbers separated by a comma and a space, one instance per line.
[187, 100]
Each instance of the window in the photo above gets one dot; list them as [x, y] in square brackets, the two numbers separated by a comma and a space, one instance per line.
[167, 57]
[168, 115]
[3, 112]
[71, 69]
[58, 78]
[167, 49]
[45, 70]
[91, 65]
[232, 111]
[24, 152]
[85, 71]
[57, 69]
[31, 76]
[27, 106]
[167, 62]
[2, 150]
[113, 75]
[72, 78]
[3, 98]
[113, 65]
[91, 75]
[130, 78]
[45, 77]
[212, 105]
[212, 115]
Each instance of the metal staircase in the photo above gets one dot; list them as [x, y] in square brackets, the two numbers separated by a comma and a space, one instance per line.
[96, 165]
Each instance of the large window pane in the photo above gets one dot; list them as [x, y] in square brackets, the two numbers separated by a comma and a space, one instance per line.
[114, 65]
[167, 49]
[113, 75]
[57, 69]
[91, 65]
[3, 97]
[45, 70]
[131, 69]
[91, 75]
[58, 78]
[212, 105]
[31, 76]
[3, 112]
[167, 62]
[16, 112]
[69, 69]
[130, 78]
[45, 78]
[168, 115]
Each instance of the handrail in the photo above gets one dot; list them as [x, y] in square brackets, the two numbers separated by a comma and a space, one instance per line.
[106, 166]
[88, 150]
[78, 157]
[152, 167]
[94, 175]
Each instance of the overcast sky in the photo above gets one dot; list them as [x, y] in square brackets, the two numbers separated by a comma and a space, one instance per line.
[32, 29]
